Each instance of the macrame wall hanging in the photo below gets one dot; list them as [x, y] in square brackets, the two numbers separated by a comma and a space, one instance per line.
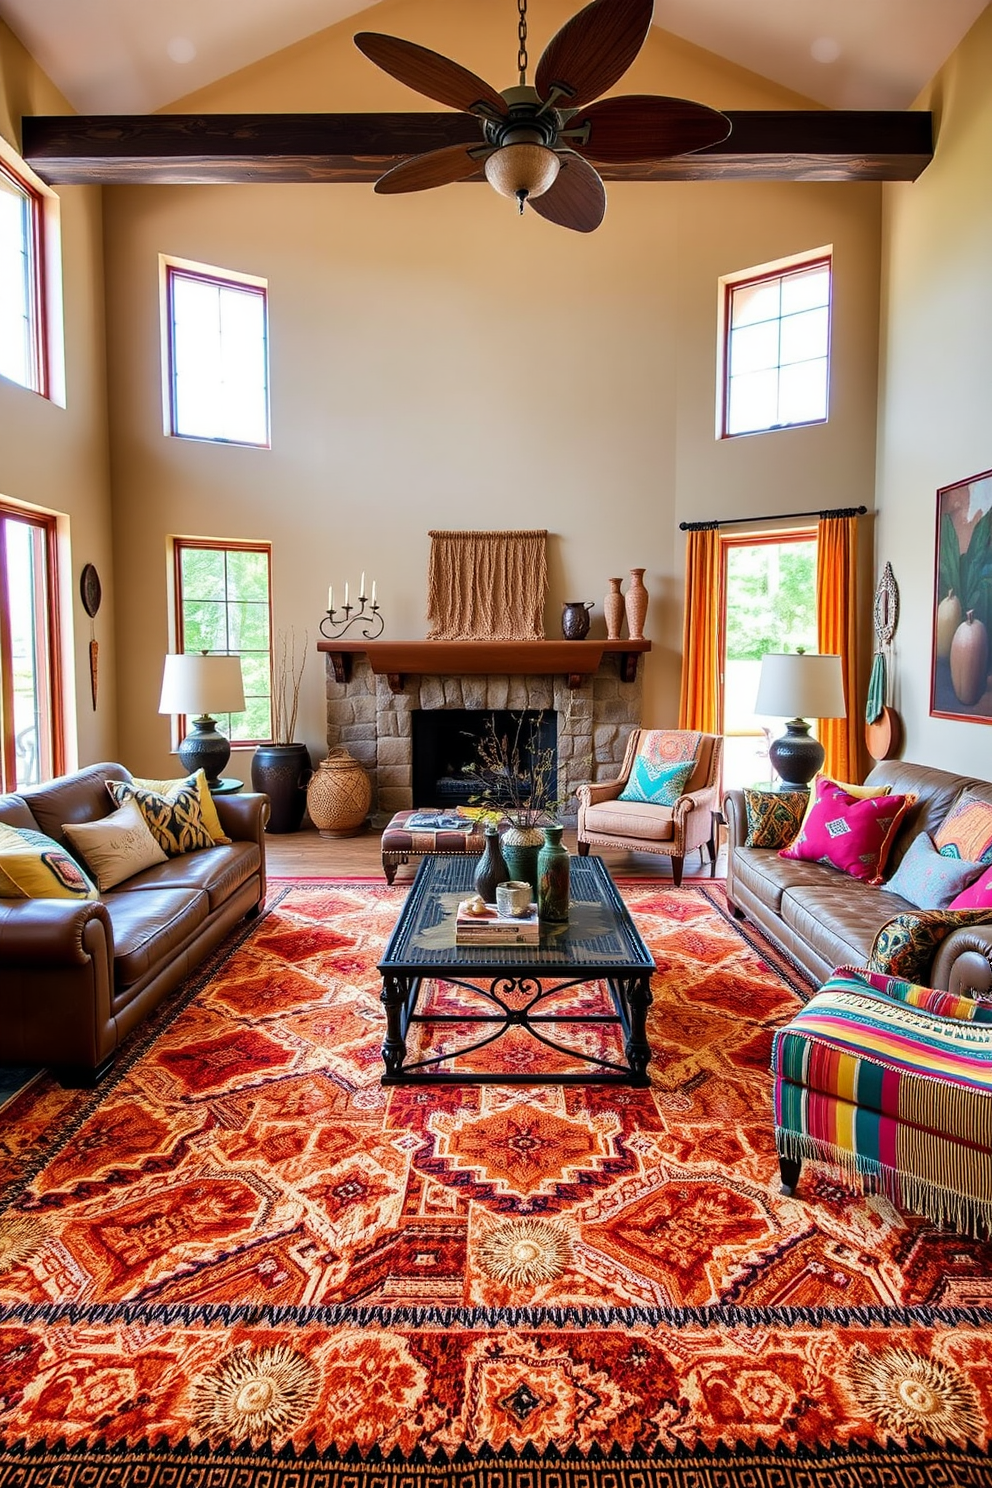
[487, 586]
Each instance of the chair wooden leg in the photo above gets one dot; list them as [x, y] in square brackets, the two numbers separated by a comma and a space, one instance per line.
[677, 871]
[583, 849]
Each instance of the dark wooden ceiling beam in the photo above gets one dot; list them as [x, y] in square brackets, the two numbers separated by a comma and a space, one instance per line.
[223, 149]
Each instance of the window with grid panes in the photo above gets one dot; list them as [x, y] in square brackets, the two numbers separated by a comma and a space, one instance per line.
[777, 349]
[223, 606]
[217, 385]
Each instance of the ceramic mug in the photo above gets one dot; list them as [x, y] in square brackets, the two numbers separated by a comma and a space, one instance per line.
[513, 898]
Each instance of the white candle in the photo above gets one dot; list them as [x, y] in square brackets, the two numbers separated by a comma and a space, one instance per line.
[330, 596]
[373, 591]
[346, 593]
[361, 588]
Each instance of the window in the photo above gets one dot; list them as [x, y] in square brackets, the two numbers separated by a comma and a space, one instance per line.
[222, 605]
[217, 344]
[769, 604]
[22, 334]
[30, 714]
[776, 349]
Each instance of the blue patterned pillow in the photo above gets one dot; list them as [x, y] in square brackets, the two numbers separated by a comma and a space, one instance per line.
[928, 879]
[658, 785]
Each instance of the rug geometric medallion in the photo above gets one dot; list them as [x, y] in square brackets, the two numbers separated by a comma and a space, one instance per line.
[243, 1261]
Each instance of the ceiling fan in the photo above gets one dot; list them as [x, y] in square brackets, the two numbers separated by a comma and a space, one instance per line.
[536, 142]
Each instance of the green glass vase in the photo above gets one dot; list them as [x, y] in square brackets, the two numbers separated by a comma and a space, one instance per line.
[552, 878]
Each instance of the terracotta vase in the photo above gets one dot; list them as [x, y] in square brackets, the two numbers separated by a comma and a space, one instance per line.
[636, 602]
[613, 609]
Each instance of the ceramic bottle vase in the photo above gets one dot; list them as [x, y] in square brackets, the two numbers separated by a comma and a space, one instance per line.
[282, 771]
[491, 868]
[575, 619]
[613, 609]
[552, 878]
[520, 847]
[636, 602]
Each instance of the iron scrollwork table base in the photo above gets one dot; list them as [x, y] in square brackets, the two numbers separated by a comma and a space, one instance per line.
[600, 944]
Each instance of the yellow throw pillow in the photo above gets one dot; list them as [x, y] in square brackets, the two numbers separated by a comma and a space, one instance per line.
[859, 792]
[175, 821]
[169, 787]
[117, 846]
[32, 866]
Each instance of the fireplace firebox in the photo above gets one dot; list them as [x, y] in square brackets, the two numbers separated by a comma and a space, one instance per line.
[445, 745]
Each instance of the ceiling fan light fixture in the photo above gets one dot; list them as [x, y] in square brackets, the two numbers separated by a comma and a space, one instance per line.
[522, 171]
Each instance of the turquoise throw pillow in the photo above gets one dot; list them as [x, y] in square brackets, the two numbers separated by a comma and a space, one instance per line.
[928, 879]
[657, 785]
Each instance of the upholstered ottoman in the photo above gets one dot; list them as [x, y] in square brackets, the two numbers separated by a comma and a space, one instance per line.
[400, 843]
[893, 1082]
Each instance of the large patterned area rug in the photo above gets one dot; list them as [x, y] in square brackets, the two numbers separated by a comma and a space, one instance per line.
[243, 1261]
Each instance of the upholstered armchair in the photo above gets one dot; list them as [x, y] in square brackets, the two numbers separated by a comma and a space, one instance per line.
[641, 826]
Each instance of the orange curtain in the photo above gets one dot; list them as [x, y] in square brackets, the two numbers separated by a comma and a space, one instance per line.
[699, 699]
[836, 623]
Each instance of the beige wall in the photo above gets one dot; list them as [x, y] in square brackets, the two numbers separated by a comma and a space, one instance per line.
[935, 425]
[57, 458]
[438, 362]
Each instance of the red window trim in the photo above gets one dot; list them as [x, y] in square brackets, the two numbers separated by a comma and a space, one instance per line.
[821, 260]
[217, 545]
[38, 286]
[177, 271]
[8, 756]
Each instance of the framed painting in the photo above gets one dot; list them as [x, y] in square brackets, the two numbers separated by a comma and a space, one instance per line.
[960, 684]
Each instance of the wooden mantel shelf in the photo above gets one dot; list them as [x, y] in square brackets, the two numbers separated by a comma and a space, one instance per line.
[398, 659]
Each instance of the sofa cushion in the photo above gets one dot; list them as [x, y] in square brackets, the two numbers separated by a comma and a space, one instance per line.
[977, 896]
[851, 835]
[218, 871]
[32, 866]
[936, 793]
[630, 819]
[14, 813]
[149, 928]
[767, 875]
[773, 817]
[208, 806]
[928, 879]
[81, 797]
[838, 918]
[116, 846]
[174, 820]
[966, 832]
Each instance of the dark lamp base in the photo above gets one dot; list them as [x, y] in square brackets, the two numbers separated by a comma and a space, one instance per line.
[795, 756]
[205, 749]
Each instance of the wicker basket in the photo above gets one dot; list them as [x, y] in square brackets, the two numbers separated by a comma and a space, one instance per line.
[339, 796]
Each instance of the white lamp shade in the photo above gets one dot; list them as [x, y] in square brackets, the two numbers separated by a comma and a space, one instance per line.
[797, 685]
[197, 684]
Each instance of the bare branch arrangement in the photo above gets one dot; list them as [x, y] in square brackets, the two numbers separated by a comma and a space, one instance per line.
[516, 781]
[286, 691]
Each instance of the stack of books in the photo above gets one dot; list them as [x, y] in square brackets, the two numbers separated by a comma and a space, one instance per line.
[494, 929]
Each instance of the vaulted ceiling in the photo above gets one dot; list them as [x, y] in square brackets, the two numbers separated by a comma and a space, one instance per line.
[134, 56]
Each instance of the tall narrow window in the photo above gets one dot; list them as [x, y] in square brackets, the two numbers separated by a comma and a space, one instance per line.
[776, 349]
[222, 606]
[22, 332]
[30, 711]
[217, 337]
[769, 604]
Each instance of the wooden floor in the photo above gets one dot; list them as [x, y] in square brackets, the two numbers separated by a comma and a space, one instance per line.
[308, 855]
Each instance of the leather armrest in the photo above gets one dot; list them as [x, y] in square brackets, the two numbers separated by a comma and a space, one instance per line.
[736, 817]
[243, 816]
[963, 963]
[54, 932]
[595, 791]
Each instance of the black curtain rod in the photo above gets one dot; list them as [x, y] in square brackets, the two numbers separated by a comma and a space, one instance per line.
[840, 511]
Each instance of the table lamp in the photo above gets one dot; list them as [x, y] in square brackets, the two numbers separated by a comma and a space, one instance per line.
[807, 686]
[199, 685]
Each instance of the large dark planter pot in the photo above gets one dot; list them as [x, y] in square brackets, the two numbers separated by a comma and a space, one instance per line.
[282, 772]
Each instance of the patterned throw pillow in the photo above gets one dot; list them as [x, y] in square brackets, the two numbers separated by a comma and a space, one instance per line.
[967, 832]
[117, 846]
[773, 817]
[169, 788]
[657, 785]
[977, 896]
[175, 821]
[859, 792]
[850, 835]
[32, 866]
[929, 880]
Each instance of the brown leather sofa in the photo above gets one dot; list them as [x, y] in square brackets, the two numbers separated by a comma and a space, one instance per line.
[823, 918]
[76, 978]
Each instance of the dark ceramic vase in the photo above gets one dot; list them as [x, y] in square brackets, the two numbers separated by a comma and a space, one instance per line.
[282, 772]
[553, 878]
[575, 619]
[491, 869]
[520, 847]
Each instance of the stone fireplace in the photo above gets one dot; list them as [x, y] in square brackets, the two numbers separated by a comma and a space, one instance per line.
[370, 706]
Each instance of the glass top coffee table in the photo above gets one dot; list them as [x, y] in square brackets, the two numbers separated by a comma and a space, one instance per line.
[542, 991]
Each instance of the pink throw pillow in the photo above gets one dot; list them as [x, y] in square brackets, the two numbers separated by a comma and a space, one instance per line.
[977, 895]
[851, 835]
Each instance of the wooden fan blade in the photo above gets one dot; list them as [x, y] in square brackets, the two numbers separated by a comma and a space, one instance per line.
[593, 49]
[431, 74]
[576, 200]
[644, 127]
[436, 168]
